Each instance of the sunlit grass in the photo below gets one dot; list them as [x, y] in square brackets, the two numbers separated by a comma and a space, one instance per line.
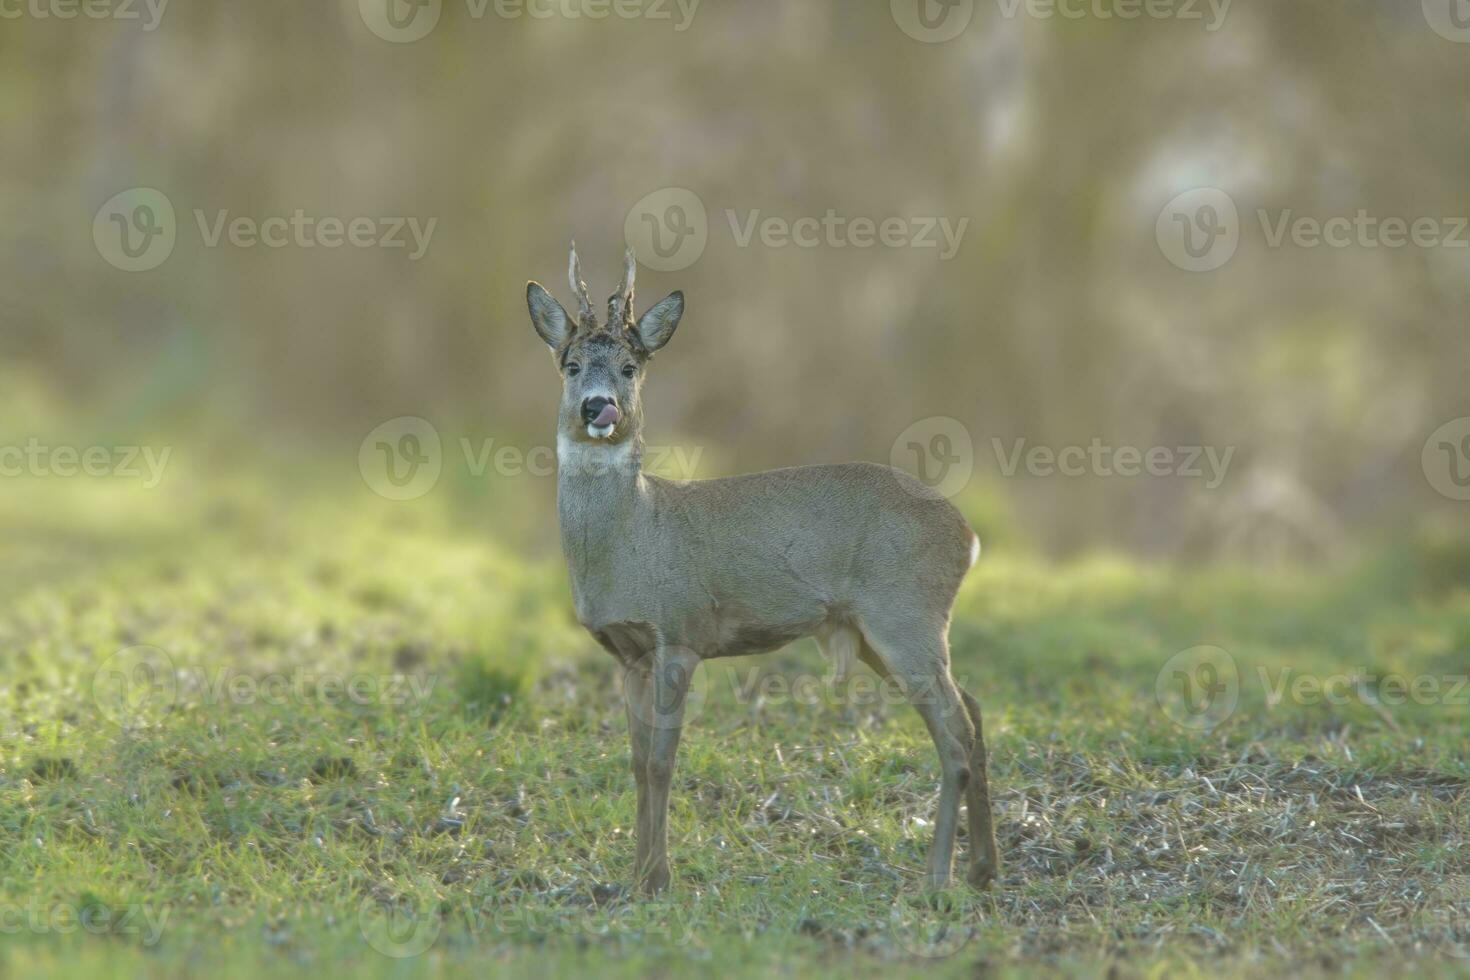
[251, 814]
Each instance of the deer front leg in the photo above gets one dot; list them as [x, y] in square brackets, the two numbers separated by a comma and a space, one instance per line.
[638, 696]
[673, 670]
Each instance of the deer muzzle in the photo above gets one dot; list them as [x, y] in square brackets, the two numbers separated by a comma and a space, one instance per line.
[600, 414]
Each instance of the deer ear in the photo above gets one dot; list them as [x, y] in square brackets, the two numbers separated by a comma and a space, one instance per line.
[657, 325]
[547, 316]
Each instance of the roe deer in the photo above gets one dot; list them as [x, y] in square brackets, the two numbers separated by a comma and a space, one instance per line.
[666, 574]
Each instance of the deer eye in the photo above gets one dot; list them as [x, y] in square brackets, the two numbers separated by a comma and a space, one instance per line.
[629, 370]
[573, 369]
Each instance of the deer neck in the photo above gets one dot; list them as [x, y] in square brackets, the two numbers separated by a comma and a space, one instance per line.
[599, 491]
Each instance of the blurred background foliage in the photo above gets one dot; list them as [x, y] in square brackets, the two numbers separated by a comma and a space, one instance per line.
[1059, 321]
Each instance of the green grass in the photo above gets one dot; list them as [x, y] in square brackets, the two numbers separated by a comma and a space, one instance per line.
[218, 804]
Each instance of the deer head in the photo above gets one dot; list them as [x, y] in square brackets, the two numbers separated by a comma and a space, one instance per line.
[602, 365]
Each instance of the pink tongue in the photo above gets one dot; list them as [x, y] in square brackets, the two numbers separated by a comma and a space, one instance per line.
[607, 416]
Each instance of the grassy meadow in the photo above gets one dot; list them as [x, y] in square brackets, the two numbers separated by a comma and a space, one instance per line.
[339, 736]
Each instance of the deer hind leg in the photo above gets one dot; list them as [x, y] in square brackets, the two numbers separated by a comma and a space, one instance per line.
[916, 656]
[984, 855]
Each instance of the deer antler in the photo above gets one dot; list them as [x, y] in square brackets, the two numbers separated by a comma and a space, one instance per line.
[620, 305]
[579, 288]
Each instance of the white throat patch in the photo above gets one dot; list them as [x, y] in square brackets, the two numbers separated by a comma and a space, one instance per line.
[573, 456]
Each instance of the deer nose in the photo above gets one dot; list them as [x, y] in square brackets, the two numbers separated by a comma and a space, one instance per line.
[599, 410]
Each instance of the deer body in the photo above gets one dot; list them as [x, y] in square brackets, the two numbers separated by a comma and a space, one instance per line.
[729, 566]
[666, 574]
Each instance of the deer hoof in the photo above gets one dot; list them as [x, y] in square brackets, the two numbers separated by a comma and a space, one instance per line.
[655, 882]
[981, 876]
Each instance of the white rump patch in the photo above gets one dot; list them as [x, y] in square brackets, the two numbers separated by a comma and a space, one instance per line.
[974, 550]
